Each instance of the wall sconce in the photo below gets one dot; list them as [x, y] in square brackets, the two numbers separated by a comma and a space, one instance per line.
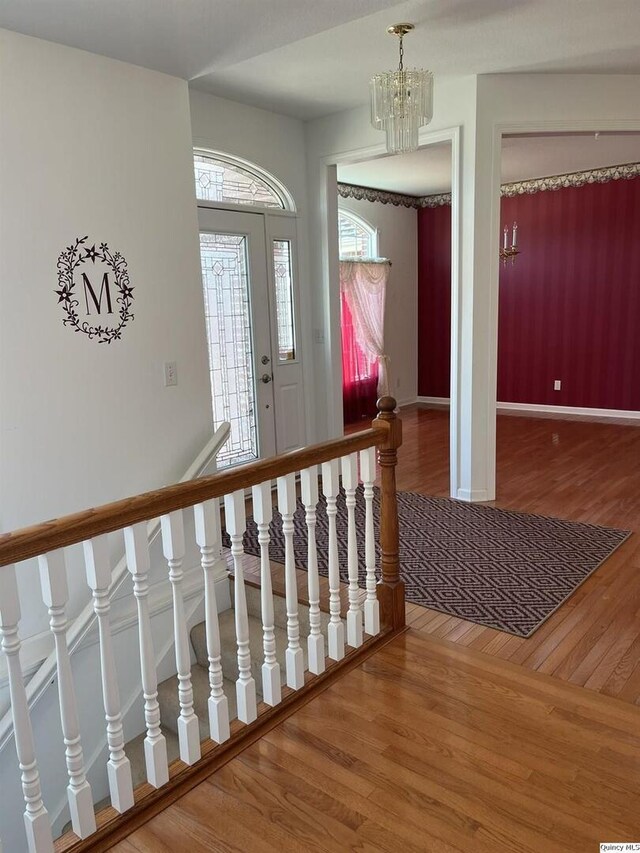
[509, 251]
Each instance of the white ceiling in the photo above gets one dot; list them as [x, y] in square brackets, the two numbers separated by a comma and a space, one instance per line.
[428, 170]
[186, 38]
[312, 57]
[423, 172]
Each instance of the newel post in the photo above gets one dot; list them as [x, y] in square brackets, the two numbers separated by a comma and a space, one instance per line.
[390, 586]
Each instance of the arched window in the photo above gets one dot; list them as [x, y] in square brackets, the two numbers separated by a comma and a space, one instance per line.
[356, 238]
[231, 180]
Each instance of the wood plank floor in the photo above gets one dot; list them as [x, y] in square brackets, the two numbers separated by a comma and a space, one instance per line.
[426, 746]
[584, 471]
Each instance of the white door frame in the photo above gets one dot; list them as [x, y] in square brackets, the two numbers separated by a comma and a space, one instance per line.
[498, 130]
[329, 240]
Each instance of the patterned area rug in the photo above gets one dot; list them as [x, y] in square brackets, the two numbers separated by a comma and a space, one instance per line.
[506, 570]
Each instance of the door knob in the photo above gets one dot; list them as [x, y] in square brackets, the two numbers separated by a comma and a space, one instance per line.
[265, 359]
[266, 377]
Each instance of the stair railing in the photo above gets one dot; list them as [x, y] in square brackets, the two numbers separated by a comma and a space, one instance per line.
[383, 614]
[86, 619]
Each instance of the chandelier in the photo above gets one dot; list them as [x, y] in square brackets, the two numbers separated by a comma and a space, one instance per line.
[401, 101]
[509, 251]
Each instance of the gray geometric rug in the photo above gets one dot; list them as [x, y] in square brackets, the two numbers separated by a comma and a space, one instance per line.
[506, 570]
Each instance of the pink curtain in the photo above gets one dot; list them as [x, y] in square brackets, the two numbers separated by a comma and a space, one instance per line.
[365, 364]
[359, 373]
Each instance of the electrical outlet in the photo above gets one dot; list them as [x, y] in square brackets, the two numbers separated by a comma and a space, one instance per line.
[170, 373]
[557, 385]
[318, 336]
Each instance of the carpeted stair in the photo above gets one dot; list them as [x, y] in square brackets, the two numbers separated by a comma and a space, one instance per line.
[168, 690]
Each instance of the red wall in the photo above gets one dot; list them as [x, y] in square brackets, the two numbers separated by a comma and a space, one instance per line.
[434, 300]
[569, 307]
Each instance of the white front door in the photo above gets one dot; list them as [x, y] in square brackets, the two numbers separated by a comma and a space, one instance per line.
[250, 285]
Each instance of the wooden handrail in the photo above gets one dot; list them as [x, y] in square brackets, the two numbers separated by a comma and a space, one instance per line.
[28, 542]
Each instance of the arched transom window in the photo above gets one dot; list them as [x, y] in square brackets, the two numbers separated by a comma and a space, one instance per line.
[229, 180]
[356, 238]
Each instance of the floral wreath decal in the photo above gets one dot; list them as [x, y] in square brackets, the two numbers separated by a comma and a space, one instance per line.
[72, 257]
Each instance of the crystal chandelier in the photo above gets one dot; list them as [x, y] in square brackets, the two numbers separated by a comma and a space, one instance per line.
[401, 101]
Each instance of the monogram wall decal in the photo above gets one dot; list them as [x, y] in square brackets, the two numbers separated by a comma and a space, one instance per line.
[94, 290]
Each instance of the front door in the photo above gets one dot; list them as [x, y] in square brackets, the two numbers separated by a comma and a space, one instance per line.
[251, 306]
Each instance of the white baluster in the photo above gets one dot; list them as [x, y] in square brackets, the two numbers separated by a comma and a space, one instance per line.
[315, 640]
[55, 594]
[262, 514]
[235, 519]
[294, 657]
[354, 614]
[371, 604]
[330, 480]
[98, 566]
[207, 517]
[174, 549]
[36, 817]
[155, 746]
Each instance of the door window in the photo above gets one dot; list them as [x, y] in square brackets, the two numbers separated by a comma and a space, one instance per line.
[283, 276]
[227, 312]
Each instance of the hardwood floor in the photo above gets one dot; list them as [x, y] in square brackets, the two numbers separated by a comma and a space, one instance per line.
[584, 471]
[456, 737]
[426, 746]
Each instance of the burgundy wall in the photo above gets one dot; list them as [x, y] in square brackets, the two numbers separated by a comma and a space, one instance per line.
[569, 307]
[434, 300]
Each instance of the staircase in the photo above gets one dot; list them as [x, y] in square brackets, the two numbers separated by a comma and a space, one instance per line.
[211, 708]
[168, 690]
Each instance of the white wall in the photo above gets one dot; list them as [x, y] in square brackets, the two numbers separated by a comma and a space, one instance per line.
[276, 143]
[397, 240]
[93, 146]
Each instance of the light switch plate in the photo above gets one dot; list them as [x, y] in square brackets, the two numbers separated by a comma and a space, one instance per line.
[170, 373]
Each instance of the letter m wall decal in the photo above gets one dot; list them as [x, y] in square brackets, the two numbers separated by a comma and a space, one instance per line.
[114, 299]
[97, 301]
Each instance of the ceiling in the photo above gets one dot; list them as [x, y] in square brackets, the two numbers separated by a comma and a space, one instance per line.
[309, 58]
[428, 170]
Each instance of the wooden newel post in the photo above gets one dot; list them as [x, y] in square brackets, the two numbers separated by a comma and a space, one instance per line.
[390, 586]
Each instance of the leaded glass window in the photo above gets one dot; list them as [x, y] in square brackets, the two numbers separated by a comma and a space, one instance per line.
[356, 238]
[225, 182]
[284, 299]
[227, 309]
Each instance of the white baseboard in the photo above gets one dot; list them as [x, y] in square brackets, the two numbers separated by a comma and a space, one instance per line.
[409, 401]
[542, 408]
[573, 411]
[437, 402]
[472, 495]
